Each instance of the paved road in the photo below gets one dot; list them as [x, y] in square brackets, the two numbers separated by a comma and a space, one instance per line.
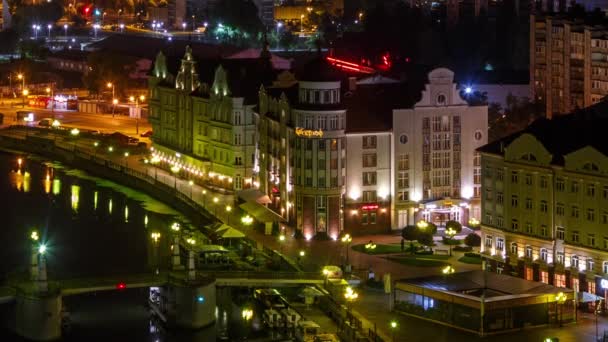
[103, 122]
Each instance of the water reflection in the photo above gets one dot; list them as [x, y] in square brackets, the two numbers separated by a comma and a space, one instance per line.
[56, 186]
[75, 197]
[47, 184]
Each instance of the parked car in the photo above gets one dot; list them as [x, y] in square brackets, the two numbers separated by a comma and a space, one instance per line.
[47, 122]
[146, 134]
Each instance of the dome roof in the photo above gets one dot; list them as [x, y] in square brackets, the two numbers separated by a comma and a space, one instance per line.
[319, 70]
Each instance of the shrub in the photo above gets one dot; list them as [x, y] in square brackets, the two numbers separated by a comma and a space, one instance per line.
[463, 248]
[425, 238]
[429, 252]
[472, 255]
[455, 225]
[472, 240]
[409, 233]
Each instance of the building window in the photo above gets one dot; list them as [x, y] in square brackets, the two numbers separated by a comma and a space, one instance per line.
[559, 209]
[403, 180]
[590, 190]
[369, 178]
[403, 139]
[514, 224]
[403, 196]
[575, 261]
[488, 241]
[514, 201]
[560, 185]
[499, 198]
[369, 141]
[574, 211]
[543, 230]
[589, 264]
[591, 240]
[499, 221]
[560, 280]
[544, 277]
[528, 203]
[404, 162]
[560, 257]
[528, 179]
[575, 236]
[372, 218]
[529, 273]
[605, 267]
[543, 182]
[364, 218]
[543, 254]
[500, 175]
[369, 160]
[543, 206]
[560, 233]
[590, 215]
[514, 177]
[591, 287]
[529, 252]
[369, 196]
[528, 228]
[605, 192]
[500, 244]
[514, 248]
[488, 218]
[574, 187]
[604, 217]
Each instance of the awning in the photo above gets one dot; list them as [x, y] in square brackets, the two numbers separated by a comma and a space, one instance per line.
[222, 227]
[586, 297]
[261, 213]
[254, 195]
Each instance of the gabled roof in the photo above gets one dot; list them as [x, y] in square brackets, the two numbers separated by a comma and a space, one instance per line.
[564, 134]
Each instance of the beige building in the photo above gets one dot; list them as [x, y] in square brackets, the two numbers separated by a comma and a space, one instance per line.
[545, 201]
[568, 64]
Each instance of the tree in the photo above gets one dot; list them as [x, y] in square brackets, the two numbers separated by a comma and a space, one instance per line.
[287, 40]
[410, 233]
[455, 225]
[425, 238]
[239, 14]
[472, 240]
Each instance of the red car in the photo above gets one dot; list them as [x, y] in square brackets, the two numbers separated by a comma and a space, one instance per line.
[146, 134]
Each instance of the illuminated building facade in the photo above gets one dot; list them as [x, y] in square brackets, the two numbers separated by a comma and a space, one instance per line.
[305, 146]
[204, 123]
[436, 171]
[544, 202]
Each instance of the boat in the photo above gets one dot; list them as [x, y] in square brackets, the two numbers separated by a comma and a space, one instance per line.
[270, 298]
[272, 318]
[290, 317]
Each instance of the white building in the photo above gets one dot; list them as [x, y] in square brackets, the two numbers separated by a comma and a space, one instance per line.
[436, 171]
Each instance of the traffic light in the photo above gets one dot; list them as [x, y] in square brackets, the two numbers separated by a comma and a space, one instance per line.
[121, 286]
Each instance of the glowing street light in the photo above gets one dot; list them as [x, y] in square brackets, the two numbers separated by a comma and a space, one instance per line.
[155, 236]
[184, 27]
[247, 220]
[110, 149]
[65, 30]
[247, 314]
[422, 224]
[74, 131]
[34, 236]
[393, 324]
[347, 239]
[350, 295]
[175, 227]
[42, 249]
[448, 270]
[49, 26]
[302, 253]
[370, 246]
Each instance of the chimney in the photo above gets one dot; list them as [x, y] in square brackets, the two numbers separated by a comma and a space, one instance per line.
[352, 83]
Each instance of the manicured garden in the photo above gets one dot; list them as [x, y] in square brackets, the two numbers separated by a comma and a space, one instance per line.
[471, 258]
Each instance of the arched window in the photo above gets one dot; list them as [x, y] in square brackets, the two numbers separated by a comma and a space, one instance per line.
[575, 261]
[543, 254]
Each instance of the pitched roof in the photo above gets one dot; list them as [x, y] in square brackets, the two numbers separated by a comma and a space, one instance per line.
[319, 70]
[564, 134]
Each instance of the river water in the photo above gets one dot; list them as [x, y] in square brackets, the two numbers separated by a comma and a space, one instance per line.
[93, 227]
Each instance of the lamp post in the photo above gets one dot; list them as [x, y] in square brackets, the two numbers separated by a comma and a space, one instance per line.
[350, 295]
[302, 23]
[191, 183]
[65, 31]
[215, 200]
[49, 26]
[281, 241]
[450, 232]
[184, 27]
[279, 25]
[228, 210]
[175, 169]
[126, 154]
[204, 198]
[95, 28]
[122, 27]
[34, 260]
[74, 132]
[155, 237]
[25, 94]
[137, 101]
[393, 326]
[175, 262]
[447, 271]
[50, 91]
[347, 239]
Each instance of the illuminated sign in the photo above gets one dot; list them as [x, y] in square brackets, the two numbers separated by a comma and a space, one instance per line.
[370, 207]
[604, 283]
[301, 132]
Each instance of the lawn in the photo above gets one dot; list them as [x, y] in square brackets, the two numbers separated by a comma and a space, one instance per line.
[470, 260]
[422, 260]
[383, 249]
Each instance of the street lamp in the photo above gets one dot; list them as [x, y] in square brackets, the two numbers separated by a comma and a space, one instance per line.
[347, 239]
[122, 27]
[448, 270]
[49, 91]
[95, 28]
[110, 149]
[301, 23]
[191, 183]
[247, 220]
[350, 295]
[25, 94]
[560, 299]
[279, 25]
[422, 224]
[137, 101]
[155, 237]
[370, 246]
[175, 169]
[247, 314]
[393, 326]
[49, 27]
[215, 200]
[126, 154]
[281, 241]
[450, 232]
[65, 30]
[184, 27]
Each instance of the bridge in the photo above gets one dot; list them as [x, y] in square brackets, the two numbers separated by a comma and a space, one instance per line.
[70, 287]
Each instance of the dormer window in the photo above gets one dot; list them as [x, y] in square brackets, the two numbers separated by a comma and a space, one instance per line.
[591, 167]
[529, 157]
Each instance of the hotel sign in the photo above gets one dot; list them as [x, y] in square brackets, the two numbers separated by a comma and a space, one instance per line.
[308, 133]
